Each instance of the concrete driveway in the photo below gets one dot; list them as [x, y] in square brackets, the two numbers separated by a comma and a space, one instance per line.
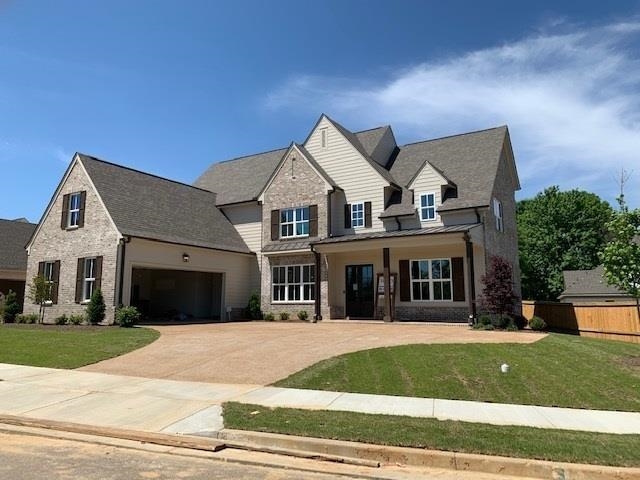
[260, 353]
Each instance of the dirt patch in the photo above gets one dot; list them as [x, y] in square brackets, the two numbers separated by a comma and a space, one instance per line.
[632, 361]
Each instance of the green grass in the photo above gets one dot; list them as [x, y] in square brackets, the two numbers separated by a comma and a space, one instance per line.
[560, 370]
[68, 346]
[523, 442]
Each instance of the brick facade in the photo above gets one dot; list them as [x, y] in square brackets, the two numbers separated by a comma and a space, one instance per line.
[98, 237]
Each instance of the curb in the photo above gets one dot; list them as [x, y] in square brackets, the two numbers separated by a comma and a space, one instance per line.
[415, 457]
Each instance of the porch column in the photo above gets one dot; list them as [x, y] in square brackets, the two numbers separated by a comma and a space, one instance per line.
[318, 315]
[387, 285]
[471, 276]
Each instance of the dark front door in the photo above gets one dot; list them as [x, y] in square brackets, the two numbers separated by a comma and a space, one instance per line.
[359, 289]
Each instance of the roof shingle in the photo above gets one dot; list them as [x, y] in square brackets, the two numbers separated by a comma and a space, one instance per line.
[14, 235]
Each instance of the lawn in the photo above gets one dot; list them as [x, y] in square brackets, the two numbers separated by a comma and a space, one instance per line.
[559, 370]
[524, 442]
[68, 346]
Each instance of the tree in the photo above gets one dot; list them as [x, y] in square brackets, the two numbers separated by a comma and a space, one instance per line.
[96, 307]
[558, 231]
[620, 257]
[39, 291]
[11, 307]
[498, 296]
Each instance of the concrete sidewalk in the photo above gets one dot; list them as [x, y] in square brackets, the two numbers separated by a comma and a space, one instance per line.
[170, 406]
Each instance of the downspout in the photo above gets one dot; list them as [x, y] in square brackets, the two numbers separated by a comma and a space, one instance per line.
[472, 277]
[318, 312]
[123, 248]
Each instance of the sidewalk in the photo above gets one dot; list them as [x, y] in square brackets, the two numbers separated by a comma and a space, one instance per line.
[169, 406]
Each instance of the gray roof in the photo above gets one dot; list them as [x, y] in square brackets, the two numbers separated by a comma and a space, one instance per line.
[469, 160]
[588, 283]
[147, 206]
[287, 246]
[369, 139]
[400, 204]
[398, 233]
[15, 235]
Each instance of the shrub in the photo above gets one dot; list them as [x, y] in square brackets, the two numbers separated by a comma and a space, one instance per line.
[284, 316]
[96, 307]
[28, 318]
[61, 320]
[269, 317]
[127, 316]
[512, 327]
[303, 315]
[519, 320]
[502, 321]
[11, 307]
[484, 320]
[498, 296]
[537, 323]
[253, 311]
[77, 319]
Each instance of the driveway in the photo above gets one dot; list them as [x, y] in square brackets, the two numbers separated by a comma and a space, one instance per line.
[260, 353]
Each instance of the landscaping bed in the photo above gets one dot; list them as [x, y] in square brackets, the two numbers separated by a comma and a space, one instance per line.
[560, 370]
[58, 346]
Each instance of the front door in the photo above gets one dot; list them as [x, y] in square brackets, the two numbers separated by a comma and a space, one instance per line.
[359, 291]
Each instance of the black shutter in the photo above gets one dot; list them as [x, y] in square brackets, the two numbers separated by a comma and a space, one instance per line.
[457, 279]
[56, 281]
[313, 220]
[405, 281]
[347, 215]
[367, 214]
[40, 273]
[79, 280]
[98, 273]
[83, 199]
[65, 212]
[275, 225]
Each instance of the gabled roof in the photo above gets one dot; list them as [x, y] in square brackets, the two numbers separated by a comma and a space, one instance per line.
[588, 283]
[146, 206]
[369, 139]
[400, 204]
[469, 160]
[14, 234]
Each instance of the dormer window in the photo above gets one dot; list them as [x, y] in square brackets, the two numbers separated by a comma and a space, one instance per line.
[427, 207]
[497, 212]
[294, 222]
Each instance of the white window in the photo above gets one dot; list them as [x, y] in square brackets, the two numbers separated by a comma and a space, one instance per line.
[431, 280]
[427, 207]
[357, 215]
[294, 283]
[48, 277]
[497, 212]
[74, 210]
[294, 222]
[323, 138]
[89, 282]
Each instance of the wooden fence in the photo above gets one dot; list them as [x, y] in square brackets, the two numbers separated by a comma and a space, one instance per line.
[613, 321]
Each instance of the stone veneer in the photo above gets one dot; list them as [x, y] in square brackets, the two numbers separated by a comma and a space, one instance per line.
[98, 237]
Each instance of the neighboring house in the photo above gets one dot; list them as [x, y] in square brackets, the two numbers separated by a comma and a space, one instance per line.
[14, 235]
[583, 286]
[143, 240]
[336, 219]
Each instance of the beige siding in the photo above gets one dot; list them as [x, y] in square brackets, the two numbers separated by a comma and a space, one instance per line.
[240, 271]
[247, 220]
[428, 181]
[344, 164]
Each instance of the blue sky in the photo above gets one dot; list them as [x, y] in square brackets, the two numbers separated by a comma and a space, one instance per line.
[170, 87]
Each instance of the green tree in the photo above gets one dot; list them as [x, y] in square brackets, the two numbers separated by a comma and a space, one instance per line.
[620, 257]
[11, 307]
[39, 292]
[558, 231]
[96, 307]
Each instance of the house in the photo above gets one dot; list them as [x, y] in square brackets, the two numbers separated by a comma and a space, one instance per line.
[14, 235]
[585, 286]
[342, 225]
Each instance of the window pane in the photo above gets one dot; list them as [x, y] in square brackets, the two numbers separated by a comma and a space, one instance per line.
[296, 274]
[308, 292]
[446, 291]
[435, 269]
[425, 291]
[416, 291]
[313, 273]
[445, 268]
[290, 274]
[423, 200]
[430, 200]
[88, 267]
[302, 228]
[415, 270]
[294, 292]
[276, 297]
[437, 290]
[276, 275]
[424, 269]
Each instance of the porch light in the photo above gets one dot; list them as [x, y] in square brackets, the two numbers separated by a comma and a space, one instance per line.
[185, 257]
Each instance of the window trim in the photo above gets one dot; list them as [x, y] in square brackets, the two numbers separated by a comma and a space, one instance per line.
[420, 207]
[498, 213]
[72, 210]
[295, 222]
[431, 280]
[362, 211]
[86, 279]
[287, 284]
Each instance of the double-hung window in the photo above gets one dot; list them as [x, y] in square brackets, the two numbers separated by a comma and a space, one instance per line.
[294, 283]
[497, 212]
[74, 209]
[427, 207]
[431, 280]
[294, 222]
[357, 215]
[89, 281]
[49, 279]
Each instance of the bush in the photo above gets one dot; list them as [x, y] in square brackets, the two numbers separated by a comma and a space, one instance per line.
[502, 321]
[61, 320]
[269, 317]
[303, 315]
[284, 316]
[537, 323]
[519, 320]
[484, 320]
[11, 307]
[28, 318]
[77, 319]
[512, 327]
[253, 311]
[96, 308]
[127, 316]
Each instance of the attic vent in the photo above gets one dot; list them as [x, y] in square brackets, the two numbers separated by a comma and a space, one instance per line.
[323, 138]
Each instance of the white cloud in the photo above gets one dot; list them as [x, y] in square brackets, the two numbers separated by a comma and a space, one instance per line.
[571, 100]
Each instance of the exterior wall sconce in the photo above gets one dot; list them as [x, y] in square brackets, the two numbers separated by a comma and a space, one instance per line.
[185, 257]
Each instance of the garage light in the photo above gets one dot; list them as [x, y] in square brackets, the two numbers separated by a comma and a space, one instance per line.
[185, 257]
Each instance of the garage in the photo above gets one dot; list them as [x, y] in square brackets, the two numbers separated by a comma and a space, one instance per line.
[177, 295]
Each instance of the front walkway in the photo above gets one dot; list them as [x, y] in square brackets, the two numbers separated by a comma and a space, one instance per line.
[195, 408]
[263, 352]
